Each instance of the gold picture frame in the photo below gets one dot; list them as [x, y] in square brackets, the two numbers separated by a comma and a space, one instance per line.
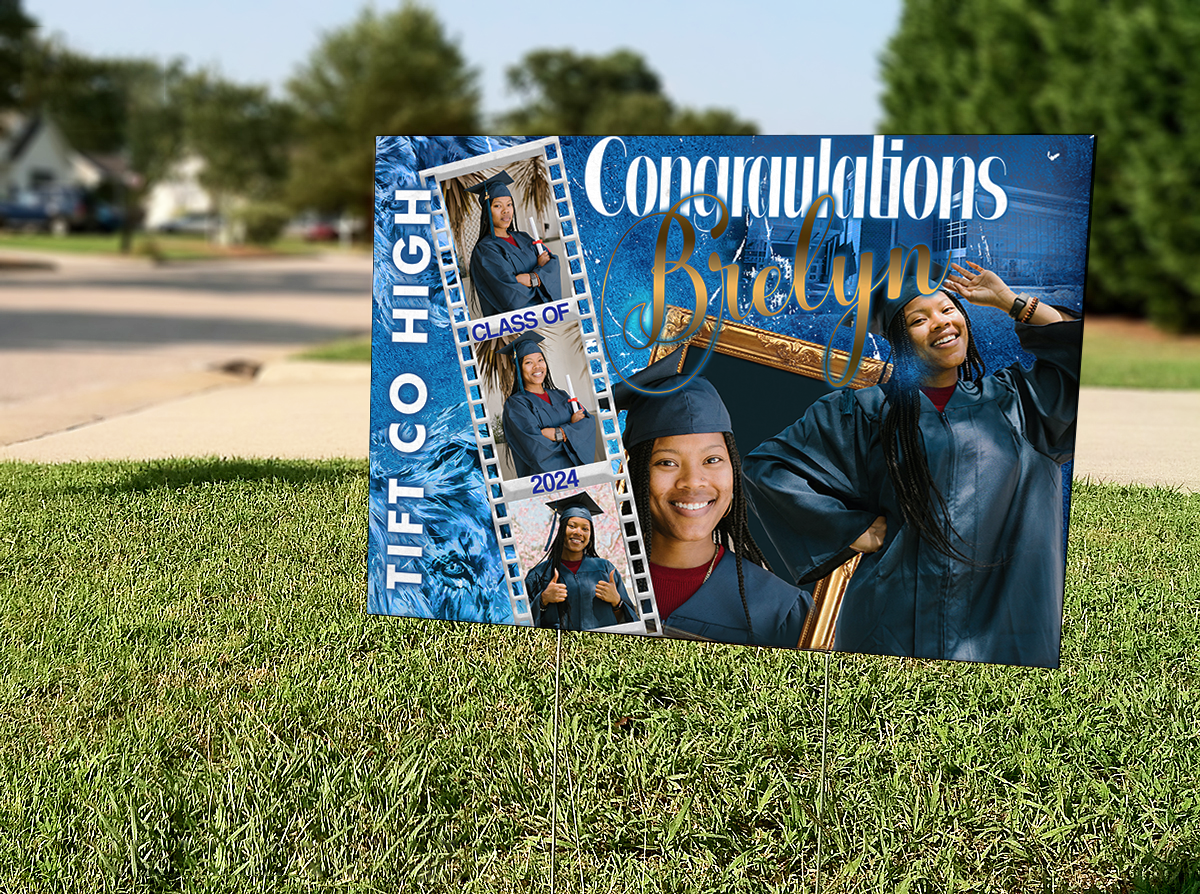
[803, 358]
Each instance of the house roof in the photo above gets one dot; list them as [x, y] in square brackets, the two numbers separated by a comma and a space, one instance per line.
[24, 133]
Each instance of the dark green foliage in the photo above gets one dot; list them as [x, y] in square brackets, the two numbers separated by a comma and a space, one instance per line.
[264, 221]
[16, 30]
[193, 699]
[1124, 70]
[91, 100]
[393, 73]
[567, 93]
[242, 134]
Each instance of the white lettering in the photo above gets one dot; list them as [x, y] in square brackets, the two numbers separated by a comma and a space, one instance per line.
[418, 245]
[991, 187]
[411, 197]
[408, 407]
[591, 176]
[406, 333]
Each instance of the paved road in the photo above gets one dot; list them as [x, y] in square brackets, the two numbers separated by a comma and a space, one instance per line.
[95, 338]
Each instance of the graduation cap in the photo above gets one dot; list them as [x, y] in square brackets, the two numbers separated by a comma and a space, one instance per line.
[579, 506]
[884, 311]
[675, 406]
[488, 191]
[528, 343]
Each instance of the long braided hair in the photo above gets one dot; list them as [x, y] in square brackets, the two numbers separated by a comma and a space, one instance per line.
[554, 554]
[923, 505]
[731, 532]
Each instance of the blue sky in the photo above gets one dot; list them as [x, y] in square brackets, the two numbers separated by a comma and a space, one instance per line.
[792, 67]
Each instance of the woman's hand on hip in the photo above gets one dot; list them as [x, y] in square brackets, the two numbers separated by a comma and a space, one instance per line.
[871, 540]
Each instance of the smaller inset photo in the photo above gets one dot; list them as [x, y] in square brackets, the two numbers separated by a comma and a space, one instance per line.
[540, 405]
[509, 249]
[573, 556]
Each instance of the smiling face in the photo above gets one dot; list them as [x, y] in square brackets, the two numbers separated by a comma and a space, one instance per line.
[938, 332]
[691, 489]
[579, 533]
[533, 372]
[502, 214]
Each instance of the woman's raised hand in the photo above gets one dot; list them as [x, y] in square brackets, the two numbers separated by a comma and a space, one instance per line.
[578, 414]
[983, 287]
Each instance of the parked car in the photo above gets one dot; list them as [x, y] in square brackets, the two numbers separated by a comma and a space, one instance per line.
[24, 216]
[321, 231]
[195, 223]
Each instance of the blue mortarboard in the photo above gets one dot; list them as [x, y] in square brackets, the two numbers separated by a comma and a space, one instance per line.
[492, 188]
[675, 409]
[884, 311]
[521, 347]
[489, 190]
[579, 506]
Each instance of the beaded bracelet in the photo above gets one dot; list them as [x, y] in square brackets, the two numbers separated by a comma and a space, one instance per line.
[1029, 311]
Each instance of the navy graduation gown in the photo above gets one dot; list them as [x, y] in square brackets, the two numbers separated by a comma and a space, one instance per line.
[995, 453]
[525, 415]
[715, 612]
[583, 610]
[495, 264]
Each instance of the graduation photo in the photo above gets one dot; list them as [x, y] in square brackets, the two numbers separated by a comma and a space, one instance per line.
[946, 478]
[575, 563]
[544, 421]
[711, 581]
[505, 232]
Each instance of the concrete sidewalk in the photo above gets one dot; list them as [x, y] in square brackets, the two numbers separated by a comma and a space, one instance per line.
[290, 410]
[312, 410]
[1135, 436]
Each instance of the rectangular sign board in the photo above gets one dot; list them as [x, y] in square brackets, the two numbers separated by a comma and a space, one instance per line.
[786, 391]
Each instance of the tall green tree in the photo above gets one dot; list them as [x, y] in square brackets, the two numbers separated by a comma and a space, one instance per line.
[1124, 70]
[242, 134]
[567, 93]
[394, 73]
[91, 99]
[16, 31]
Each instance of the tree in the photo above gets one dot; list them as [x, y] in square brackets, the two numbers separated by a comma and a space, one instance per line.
[566, 93]
[90, 99]
[242, 134]
[16, 30]
[1123, 70]
[383, 74]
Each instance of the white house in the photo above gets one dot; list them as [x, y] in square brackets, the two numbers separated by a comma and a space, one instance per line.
[35, 158]
[179, 192]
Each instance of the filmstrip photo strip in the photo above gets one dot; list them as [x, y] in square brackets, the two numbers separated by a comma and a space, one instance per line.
[577, 309]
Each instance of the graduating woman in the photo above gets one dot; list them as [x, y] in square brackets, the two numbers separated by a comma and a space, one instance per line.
[949, 476]
[508, 268]
[573, 588]
[545, 428]
[710, 578]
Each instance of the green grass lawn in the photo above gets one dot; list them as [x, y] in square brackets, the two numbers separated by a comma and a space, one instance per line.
[1123, 360]
[347, 350]
[193, 699]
